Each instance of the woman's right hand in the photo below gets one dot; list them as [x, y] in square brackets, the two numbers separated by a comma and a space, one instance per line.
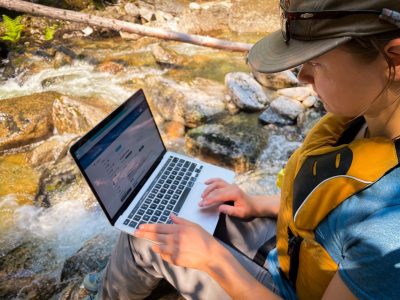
[219, 191]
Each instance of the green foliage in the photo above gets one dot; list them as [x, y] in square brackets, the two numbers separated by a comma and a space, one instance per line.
[13, 29]
[49, 33]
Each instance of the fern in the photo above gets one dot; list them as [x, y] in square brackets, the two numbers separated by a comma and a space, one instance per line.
[50, 32]
[13, 29]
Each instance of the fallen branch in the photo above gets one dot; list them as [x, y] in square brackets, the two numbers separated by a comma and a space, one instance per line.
[68, 15]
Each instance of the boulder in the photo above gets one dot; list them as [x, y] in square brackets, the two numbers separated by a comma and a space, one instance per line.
[27, 119]
[205, 17]
[287, 107]
[245, 92]
[277, 81]
[111, 67]
[166, 57]
[77, 117]
[191, 104]
[92, 257]
[270, 116]
[300, 93]
[236, 142]
[307, 120]
[20, 271]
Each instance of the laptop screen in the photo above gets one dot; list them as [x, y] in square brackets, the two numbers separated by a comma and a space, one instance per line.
[120, 153]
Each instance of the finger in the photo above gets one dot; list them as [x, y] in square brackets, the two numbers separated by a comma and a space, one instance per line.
[158, 228]
[180, 221]
[228, 193]
[212, 180]
[213, 186]
[231, 211]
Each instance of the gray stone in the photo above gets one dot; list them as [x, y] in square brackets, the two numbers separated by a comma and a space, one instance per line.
[287, 107]
[205, 17]
[92, 257]
[236, 142]
[308, 119]
[277, 81]
[191, 104]
[298, 93]
[245, 92]
[269, 116]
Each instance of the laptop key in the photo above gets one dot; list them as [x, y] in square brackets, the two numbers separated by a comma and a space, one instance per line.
[169, 181]
[156, 201]
[154, 219]
[170, 207]
[147, 201]
[146, 218]
[181, 200]
[161, 207]
[161, 181]
[163, 218]
[173, 186]
[126, 222]
[164, 202]
[176, 182]
[145, 206]
[131, 215]
[166, 186]
[160, 196]
[152, 195]
[163, 191]
[136, 218]
[166, 213]
[167, 197]
[140, 212]
[181, 187]
[179, 192]
[170, 192]
[178, 177]
[153, 206]
[157, 186]
[175, 197]
[157, 213]
[181, 173]
[172, 202]
[155, 191]
[132, 224]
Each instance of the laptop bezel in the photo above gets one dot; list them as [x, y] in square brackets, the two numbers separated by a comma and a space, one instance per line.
[74, 148]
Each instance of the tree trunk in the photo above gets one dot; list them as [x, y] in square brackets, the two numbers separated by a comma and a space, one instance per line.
[62, 14]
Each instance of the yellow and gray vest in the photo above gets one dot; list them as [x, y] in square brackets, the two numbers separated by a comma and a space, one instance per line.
[319, 176]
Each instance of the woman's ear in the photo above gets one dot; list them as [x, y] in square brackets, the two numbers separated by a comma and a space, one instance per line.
[392, 49]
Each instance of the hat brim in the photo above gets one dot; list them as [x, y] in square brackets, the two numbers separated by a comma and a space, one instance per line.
[272, 54]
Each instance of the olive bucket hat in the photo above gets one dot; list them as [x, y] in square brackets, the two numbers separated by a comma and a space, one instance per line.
[310, 28]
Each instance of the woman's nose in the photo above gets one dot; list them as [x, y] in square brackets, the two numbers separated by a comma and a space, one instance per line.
[305, 75]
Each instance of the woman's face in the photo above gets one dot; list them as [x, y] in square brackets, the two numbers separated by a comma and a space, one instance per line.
[346, 85]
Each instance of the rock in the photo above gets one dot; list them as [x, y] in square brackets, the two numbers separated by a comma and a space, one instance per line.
[277, 81]
[229, 143]
[253, 16]
[259, 181]
[205, 17]
[92, 257]
[19, 270]
[51, 150]
[174, 130]
[77, 117]
[61, 59]
[310, 101]
[278, 150]
[307, 120]
[132, 10]
[26, 119]
[245, 92]
[129, 36]
[190, 104]
[270, 116]
[297, 93]
[166, 57]
[287, 107]
[110, 67]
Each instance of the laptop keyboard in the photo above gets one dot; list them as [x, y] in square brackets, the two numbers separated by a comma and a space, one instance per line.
[166, 194]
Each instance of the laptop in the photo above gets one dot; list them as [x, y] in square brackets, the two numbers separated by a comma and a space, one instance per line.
[133, 176]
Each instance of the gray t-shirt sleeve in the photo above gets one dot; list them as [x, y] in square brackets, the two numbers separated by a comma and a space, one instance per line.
[370, 264]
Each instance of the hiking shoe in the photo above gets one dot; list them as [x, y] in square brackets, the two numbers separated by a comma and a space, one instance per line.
[92, 281]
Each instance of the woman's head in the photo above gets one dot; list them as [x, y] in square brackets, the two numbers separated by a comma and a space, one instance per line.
[360, 77]
[347, 48]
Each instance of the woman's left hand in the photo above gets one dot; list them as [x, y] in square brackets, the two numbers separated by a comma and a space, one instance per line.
[183, 243]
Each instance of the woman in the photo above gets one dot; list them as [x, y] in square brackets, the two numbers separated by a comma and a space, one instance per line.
[340, 205]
